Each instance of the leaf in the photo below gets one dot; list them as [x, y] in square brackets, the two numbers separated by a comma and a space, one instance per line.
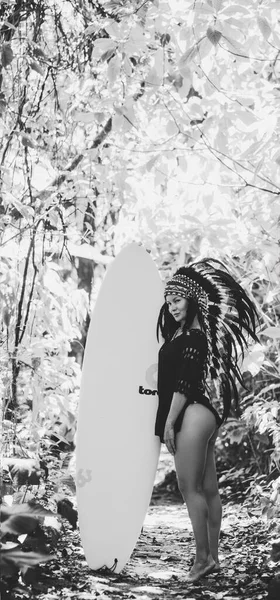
[52, 522]
[115, 30]
[171, 128]
[127, 66]
[276, 157]
[91, 28]
[165, 39]
[273, 332]
[39, 52]
[235, 9]
[217, 5]
[23, 560]
[246, 116]
[153, 78]
[231, 43]
[188, 56]
[9, 25]
[107, 55]
[51, 279]
[167, 558]
[185, 71]
[264, 27]
[100, 116]
[24, 470]
[275, 551]
[161, 575]
[67, 480]
[245, 100]
[149, 165]
[213, 35]
[8, 568]
[103, 45]
[203, 8]
[251, 150]
[36, 67]
[84, 117]
[3, 103]
[114, 69]
[253, 362]
[66, 510]
[7, 55]
[6, 316]
[19, 524]
[26, 509]
[235, 436]
[9, 545]
[195, 109]
[27, 142]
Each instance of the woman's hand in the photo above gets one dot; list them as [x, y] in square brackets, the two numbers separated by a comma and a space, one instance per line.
[169, 437]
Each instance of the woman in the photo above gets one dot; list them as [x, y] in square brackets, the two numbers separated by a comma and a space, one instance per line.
[206, 322]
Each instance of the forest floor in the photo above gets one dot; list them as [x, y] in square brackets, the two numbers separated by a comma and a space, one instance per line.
[163, 556]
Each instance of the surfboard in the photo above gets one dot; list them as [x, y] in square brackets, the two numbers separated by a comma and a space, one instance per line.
[117, 451]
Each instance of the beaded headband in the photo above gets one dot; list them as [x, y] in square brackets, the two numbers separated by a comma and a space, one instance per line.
[184, 286]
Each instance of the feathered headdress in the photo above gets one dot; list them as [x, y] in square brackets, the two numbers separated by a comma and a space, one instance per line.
[228, 317]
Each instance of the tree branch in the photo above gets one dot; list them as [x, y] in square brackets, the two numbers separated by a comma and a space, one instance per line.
[35, 272]
[18, 335]
[59, 180]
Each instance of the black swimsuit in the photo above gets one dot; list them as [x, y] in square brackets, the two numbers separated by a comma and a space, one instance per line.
[182, 367]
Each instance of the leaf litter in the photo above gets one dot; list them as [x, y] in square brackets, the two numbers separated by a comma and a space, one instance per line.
[162, 558]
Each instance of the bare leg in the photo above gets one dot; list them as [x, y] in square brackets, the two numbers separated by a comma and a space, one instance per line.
[211, 492]
[198, 427]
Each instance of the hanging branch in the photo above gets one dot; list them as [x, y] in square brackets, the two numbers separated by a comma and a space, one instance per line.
[18, 331]
[35, 273]
[24, 281]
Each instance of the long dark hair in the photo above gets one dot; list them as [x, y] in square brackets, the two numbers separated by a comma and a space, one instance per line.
[167, 325]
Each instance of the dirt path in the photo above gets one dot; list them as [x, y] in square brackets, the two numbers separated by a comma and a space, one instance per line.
[161, 559]
[159, 563]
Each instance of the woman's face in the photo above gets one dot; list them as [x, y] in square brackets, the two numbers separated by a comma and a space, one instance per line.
[178, 307]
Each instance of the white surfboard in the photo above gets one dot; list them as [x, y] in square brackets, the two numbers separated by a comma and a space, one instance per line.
[117, 451]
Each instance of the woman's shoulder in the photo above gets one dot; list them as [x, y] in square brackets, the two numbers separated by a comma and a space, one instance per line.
[194, 337]
[195, 331]
[190, 336]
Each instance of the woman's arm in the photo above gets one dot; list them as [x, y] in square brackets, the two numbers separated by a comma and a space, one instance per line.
[177, 404]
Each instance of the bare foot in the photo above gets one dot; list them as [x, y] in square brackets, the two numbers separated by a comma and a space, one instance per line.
[217, 566]
[200, 570]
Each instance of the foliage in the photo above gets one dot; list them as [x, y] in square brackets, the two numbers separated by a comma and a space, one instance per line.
[29, 531]
[248, 448]
[175, 98]
[17, 523]
[152, 121]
